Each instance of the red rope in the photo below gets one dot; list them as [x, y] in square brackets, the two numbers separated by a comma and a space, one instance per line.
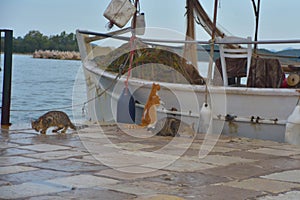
[131, 60]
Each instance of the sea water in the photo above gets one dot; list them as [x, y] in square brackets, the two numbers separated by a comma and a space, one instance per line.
[41, 85]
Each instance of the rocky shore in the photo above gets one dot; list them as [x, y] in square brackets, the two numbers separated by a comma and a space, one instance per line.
[63, 55]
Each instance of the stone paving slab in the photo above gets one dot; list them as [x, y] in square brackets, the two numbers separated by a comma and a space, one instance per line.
[238, 171]
[13, 160]
[67, 166]
[289, 176]
[5, 145]
[4, 183]
[160, 197]
[188, 166]
[187, 180]
[296, 157]
[44, 147]
[131, 173]
[86, 159]
[217, 149]
[88, 166]
[29, 190]
[249, 155]
[259, 184]
[288, 147]
[83, 181]
[220, 192]
[22, 141]
[15, 169]
[278, 164]
[92, 136]
[57, 155]
[276, 152]
[87, 193]
[129, 146]
[15, 152]
[224, 160]
[143, 188]
[20, 135]
[118, 159]
[34, 176]
[293, 195]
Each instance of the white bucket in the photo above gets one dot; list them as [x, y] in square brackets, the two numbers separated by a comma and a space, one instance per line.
[119, 12]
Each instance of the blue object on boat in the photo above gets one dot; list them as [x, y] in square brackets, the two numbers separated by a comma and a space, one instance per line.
[126, 108]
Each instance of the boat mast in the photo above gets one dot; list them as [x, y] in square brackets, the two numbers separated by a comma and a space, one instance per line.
[190, 49]
[134, 17]
[256, 12]
[212, 47]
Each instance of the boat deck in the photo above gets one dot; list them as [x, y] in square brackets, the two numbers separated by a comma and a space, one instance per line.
[56, 166]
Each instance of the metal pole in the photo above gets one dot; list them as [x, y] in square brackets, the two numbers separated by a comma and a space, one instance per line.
[6, 92]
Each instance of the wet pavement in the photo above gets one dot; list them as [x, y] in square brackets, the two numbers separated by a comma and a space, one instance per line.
[107, 163]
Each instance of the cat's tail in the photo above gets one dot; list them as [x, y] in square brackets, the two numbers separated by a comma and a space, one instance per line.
[72, 126]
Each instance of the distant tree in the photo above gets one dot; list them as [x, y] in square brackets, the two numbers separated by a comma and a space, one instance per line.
[34, 40]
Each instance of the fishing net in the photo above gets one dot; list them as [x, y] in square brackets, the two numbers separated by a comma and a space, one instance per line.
[157, 64]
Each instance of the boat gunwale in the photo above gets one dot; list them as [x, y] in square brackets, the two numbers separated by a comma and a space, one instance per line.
[198, 88]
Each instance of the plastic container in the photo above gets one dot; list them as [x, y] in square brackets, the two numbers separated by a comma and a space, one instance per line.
[119, 12]
[140, 24]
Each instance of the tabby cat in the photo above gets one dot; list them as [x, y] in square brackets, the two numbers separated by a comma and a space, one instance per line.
[57, 119]
[171, 126]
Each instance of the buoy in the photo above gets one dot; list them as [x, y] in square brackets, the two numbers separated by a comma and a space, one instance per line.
[126, 108]
[140, 24]
[293, 80]
[292, 131]
[205, 118]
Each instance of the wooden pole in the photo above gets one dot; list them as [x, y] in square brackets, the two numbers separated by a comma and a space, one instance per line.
[212, 46]
[256, 12]
[190, 49]
[134, 17]
[6, 92]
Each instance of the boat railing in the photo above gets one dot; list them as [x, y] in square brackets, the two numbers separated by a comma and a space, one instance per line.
[95, 36]
[125, 38]
[90, 38]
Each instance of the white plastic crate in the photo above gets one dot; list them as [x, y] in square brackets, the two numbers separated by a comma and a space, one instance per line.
[119, 12]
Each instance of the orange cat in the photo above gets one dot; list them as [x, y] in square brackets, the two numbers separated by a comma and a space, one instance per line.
[149, 117]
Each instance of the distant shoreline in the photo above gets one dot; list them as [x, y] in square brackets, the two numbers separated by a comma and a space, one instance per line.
[54, 54]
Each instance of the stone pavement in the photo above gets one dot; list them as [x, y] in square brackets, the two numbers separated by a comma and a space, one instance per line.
[107, 163]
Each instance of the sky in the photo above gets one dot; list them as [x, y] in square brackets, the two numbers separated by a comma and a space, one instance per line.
[279, 19]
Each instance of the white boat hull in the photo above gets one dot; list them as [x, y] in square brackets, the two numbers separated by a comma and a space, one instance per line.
[252, 112]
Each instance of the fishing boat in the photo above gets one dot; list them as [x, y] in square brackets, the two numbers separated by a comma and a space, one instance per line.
[212, 101]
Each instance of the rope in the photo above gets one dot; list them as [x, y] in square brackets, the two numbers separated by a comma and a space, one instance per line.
[131, 60]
